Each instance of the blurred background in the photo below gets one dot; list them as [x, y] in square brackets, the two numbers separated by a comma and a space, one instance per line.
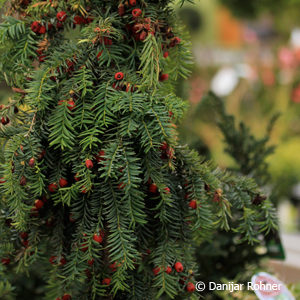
[248, 54]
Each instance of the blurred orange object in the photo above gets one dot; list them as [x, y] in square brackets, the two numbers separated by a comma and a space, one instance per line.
[230, 29]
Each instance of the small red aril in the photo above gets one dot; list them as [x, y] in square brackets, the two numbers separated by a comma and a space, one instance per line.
[89, 164]
[106, 281]
[97, 238]
[178, 267]
[193, 204]
[63, 182]
[190, 287]
[38, 204]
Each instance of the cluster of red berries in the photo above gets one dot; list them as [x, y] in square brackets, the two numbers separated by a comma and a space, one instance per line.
[129, 4]
[78, 20]
[54, 260]
[38, 28]
[178, 266]
[53, 187]
[153, 189]
[142, 28]
[70, 104]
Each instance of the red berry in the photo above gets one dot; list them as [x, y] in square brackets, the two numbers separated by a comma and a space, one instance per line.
[4, 120]
[76, 177]
[23, 181]
[84, 247]
[164, 77]
[175, 41]
[113, 267]
[89, 164]
[167, 190]
[61, 16]
[132, 2]
[31, 162]
[143, 35]
[91, 262]
[100, 156]
[166, 54]
[99, 54]
[190, 287]
[119, 76]
[5, 261]
[25, 243]
[153, 188]
[78, 20]
[121, 10]
[136, 12]
[63, 182]
[121, 186]
[42, 30]
[63, 261]
[156, 271]
[42, 154]
[35, 26]
[42, 58]
[107, 41]
[38, 204]
[59, 25]
[71, 219]
[71, 105]
[193, 204]
[66, 297]
[52, 260]
[170, 153]
[2, 180]
[97, 238]
[52, 187]
[168, 270]
[24, 235]
[178, 267]
[170, 114]
[106, 281]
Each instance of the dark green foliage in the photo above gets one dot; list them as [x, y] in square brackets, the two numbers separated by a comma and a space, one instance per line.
[100, 154]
